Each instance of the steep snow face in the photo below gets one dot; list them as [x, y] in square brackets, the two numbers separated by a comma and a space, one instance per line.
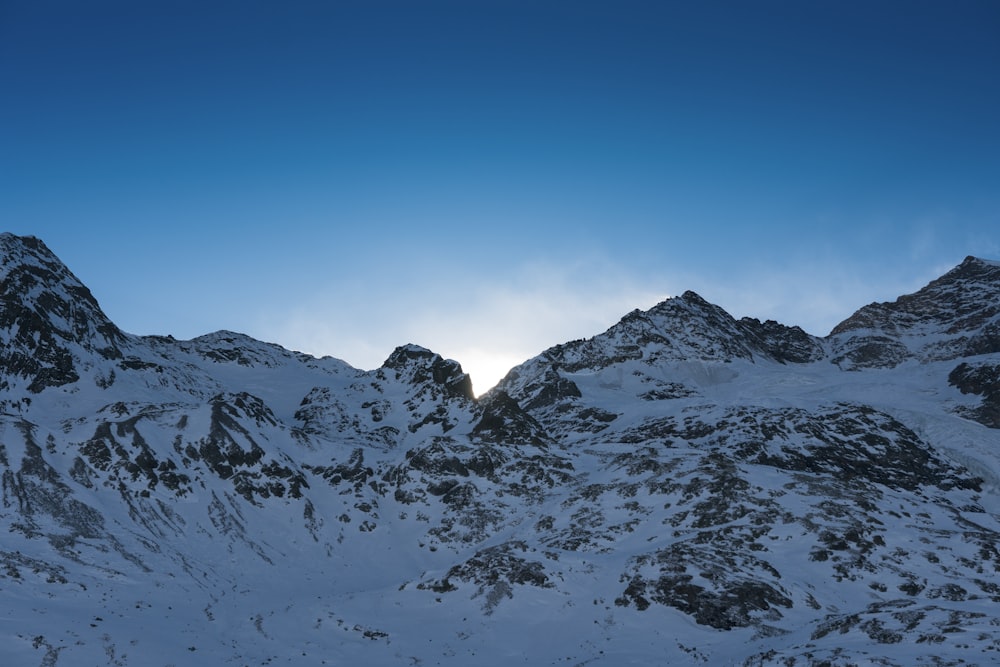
[685, 488]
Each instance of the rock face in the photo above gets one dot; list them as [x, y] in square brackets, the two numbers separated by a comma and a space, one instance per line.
[50, 320]
[983, 379]
[684, 488]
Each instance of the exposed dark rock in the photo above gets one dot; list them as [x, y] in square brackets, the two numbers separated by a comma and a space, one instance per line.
[419, 365]
[982, 379]
[503, 420]
[48, 314]
[870, 351]
[783, 343]
[494, 571]
[731, 607]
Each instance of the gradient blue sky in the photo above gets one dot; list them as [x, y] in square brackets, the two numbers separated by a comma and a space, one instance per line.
[490, 177]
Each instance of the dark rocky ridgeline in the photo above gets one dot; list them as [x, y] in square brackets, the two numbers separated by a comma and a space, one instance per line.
[964, 300]
[683, 328]
[783, 343]
[956, 315]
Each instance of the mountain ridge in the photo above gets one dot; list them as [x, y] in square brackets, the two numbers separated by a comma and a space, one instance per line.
[683, 487]
[745, 337]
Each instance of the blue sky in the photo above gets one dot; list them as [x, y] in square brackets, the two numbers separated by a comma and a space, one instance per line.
[491, 177]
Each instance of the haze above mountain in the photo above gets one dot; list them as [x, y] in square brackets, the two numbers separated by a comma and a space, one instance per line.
[684, 488]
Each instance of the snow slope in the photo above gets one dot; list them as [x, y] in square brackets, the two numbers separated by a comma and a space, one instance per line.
[685, 488]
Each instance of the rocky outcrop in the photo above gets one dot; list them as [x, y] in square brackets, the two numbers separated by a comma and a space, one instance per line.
[417, 365]
[49, 321]
[981, 379]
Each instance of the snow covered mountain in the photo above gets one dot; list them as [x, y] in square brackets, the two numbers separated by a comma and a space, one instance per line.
[685, 488]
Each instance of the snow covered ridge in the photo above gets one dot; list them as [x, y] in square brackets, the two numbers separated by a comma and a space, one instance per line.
[957, 315]
[685, 488]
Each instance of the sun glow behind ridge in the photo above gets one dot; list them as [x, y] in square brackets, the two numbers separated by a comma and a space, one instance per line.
[487, 328]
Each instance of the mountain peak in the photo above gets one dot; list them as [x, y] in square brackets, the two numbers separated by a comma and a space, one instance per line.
[975, 268]
[973, 260]
[693, 298]
[406, 353]
[29, 270]
[47, 316]
[423, 365]
[955, 315]
[962, 299]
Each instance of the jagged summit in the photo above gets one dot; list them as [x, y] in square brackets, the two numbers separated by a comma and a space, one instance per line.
[977, 265]
[682, 328]
[962, 300]
[419, 365]
[404, 354]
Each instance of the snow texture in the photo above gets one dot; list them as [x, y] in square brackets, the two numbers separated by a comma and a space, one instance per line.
[683, 489]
